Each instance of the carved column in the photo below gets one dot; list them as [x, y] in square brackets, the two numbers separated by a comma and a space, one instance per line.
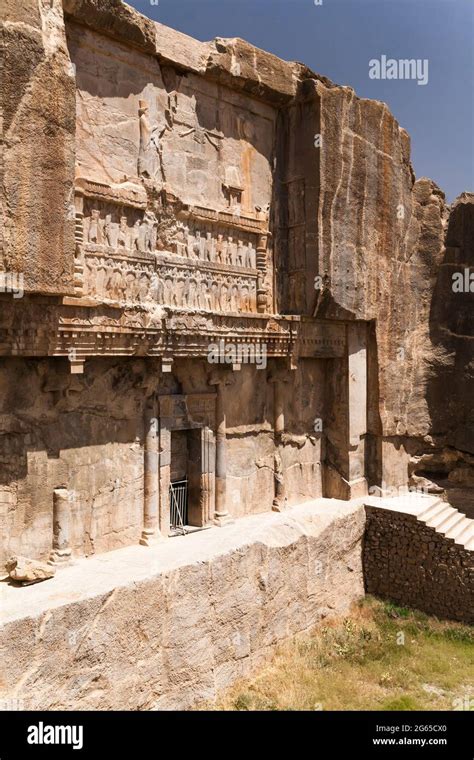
[357, 393]
[150, 512]
[61, 527]
[279, 408]
[221, 515]
[165, 475]
[208, 473]
[280, 500]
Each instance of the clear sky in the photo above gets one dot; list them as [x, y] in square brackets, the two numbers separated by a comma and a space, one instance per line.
[340, 37]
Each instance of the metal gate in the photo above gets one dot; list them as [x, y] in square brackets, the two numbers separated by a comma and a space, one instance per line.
[179, 506]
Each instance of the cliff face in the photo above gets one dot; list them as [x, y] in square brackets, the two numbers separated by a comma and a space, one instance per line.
[360, 239]
[450, 389]
[186, 192]
[37, 96]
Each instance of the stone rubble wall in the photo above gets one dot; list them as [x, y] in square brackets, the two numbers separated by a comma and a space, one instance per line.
[411, 564]
[171, 626]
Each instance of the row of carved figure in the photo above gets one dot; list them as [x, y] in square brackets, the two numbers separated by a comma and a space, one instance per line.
[189, 241]
[141, 237]
[169, 286]
[220, 248]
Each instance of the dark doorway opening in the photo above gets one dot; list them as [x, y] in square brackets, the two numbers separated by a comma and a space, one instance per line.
[187, 513]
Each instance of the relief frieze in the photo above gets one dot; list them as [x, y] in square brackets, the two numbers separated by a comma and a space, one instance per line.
[172, 255]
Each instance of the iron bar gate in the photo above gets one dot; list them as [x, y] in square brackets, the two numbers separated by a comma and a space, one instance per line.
[179, 505]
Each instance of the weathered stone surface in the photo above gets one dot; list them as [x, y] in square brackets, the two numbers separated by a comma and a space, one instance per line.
[114, 18]
[37, 97]
[27, 571]
[165, 628]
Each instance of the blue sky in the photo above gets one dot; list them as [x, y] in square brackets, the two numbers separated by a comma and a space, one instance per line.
[339, 37]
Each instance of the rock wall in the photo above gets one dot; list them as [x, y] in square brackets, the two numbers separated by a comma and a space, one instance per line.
[37, 98]
[383, 248]
[380, 245]
[412, 565]
[139, 630]
[452, 334]
[86, 433]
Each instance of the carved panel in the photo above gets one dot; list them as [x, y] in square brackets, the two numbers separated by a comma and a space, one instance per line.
[183, 257]
[206, 287]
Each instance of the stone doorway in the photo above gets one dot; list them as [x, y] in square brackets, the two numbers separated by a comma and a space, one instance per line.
[178, 493]
[187, 457]
[186, 505]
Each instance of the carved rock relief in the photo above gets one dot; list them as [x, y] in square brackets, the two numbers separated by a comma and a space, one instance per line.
[129, 231]
[124, 280]
[133, 255]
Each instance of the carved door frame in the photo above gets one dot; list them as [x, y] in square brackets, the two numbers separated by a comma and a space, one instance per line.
[194, 413]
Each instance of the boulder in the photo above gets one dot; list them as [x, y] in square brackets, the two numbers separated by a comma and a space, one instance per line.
[27, 571]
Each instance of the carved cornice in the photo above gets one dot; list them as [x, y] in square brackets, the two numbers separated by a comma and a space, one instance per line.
[128, 193]
[39, 327]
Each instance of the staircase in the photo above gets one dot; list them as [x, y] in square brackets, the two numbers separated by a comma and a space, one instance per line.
[450, 523]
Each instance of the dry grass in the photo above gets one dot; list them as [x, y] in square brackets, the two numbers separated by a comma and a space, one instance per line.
[360, 663]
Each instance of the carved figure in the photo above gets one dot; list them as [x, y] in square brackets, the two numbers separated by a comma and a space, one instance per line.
[231, 251]
[101, 276]
[149, 152]
[94, 227]
[134, 237]
[251, 257]
[245, 298]
[143, 287]
[219, 251]
[151, 231]
[123, 234]
[234, 298]
[223, 301]
[197, 247]
[111, 232]
[209, 247]
[240, 258]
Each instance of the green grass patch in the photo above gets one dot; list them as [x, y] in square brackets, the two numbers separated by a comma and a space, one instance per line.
[380, 657]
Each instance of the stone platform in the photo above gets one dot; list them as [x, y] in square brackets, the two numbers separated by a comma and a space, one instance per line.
[167, 626]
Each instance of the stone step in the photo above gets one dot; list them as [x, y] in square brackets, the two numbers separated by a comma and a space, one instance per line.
[466, 535]
[460, 527]
[432, 511]
[450, 522]
[470, 544]
[441, 516]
